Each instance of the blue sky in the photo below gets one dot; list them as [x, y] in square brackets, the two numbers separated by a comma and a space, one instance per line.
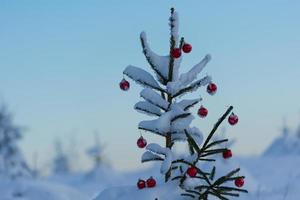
[61, 62]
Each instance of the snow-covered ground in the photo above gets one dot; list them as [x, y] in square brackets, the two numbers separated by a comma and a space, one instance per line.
[38, 190]
[267, 178]
[272, 176]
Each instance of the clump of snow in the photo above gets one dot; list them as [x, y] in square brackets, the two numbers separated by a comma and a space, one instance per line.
[154, 98]
[167, 162]
[147, 108]
[142, 77]
[159, 63]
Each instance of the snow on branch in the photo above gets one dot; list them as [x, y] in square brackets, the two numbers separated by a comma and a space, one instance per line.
[188, 77]
[154, 98]
[182, 122]
[147, 108]
[194, 132]
[174, 26]
[192, 74]
[158, 63]
[149, 156]
[173, 64]
[194, 86]
[176, 119]
[142, 77]
[187, 104]
[167, 162]
[159, 126]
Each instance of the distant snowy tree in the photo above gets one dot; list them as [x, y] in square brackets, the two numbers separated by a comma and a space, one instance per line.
[287, 143]
[61, 163]
[96, 152]
[12, 163]
[173, 120]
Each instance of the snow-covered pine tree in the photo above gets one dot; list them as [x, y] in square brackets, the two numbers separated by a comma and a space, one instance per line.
[12, 163]
[173, 119]
[61, 163]
[96, 152]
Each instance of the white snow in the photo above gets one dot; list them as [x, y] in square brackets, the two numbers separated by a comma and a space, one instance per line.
[147, 108]
[161, 192]
[148, 156]
[142, 77]
[37, 190]
[166, 163]
[188, 103]
[169, 121]
[154, 98]
[159, 63]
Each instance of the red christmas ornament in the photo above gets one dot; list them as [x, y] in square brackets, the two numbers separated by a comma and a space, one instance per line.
[233, 119]
[187, 48]
[141, 184]
[202, 112]
[227, 154]
[192, 171]
[141, 142]
[176, 53]
[211, 88]
[239, 182]
[151, 182]
[124, 85]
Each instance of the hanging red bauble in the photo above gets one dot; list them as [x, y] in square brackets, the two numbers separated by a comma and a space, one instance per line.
[141, 142]
[227, 154]
[202, 112]
[187, 48]
[176, 53]
[211, 88]
[124, 85]
[233, 119]
[141, 184]
[151, 182]
[192, 171]
[239, 182]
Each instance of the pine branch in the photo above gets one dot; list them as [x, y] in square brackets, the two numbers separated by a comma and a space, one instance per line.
[192, 104]
[216, 143]
[153, 159]
[155, 68]
[160, 103]
[172, 46]
[153, 131]
[188, 195]
[147, 111]
[212, 174]
[184, 115]
[202, 82]
[144, 78]
[216, 126]
[192, 142]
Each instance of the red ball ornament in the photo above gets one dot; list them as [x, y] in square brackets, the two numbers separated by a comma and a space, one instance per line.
[176, 53]
[239, 182]
[141, 184]
[202, 112]
[211, 88]
[141, 142]
[124, 85]
[151, 182]
[233, 119]
[192, 171]
[187, 48]
[227, 154]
